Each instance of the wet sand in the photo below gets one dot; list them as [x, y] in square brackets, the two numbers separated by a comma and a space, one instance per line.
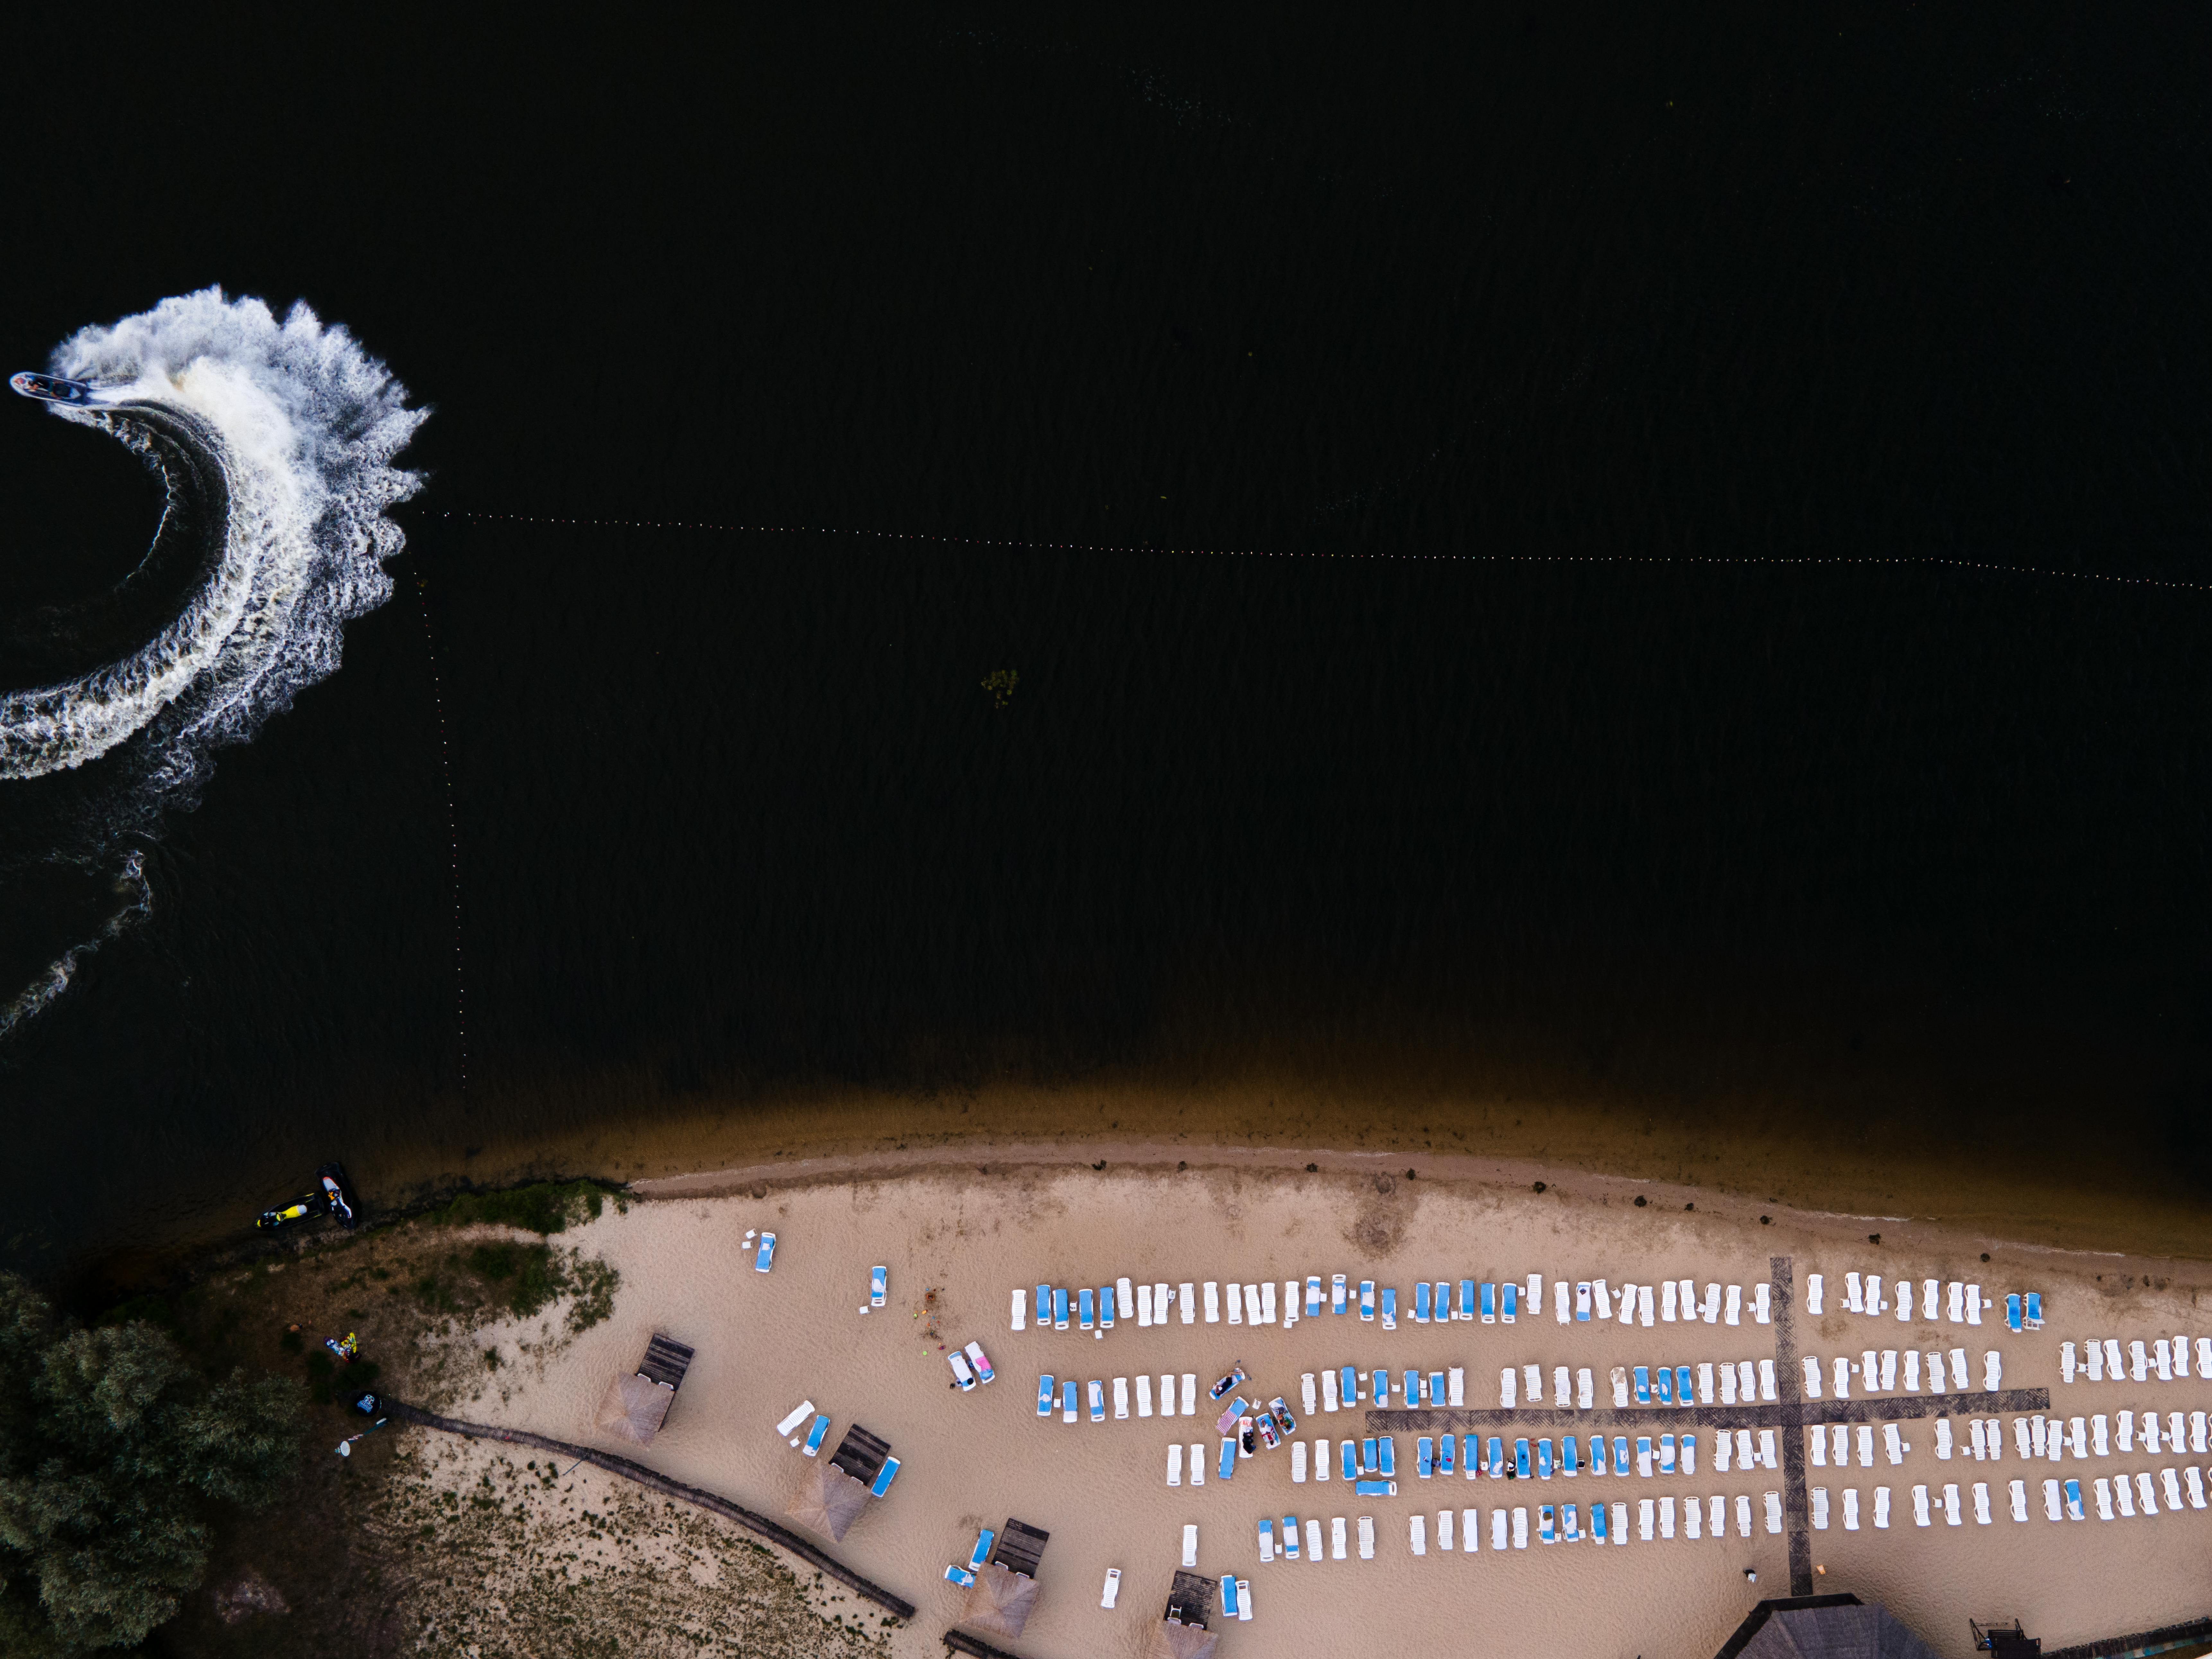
[975, 1235]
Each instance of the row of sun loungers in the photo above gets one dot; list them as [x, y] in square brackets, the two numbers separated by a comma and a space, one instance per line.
[1960, 1302]
[2166, 1360]
[1095, 1393]
[1877, 1372]
[1727, 1382]
[1488, 1303]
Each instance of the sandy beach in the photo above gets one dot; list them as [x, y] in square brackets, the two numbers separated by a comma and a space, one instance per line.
[975, 1232]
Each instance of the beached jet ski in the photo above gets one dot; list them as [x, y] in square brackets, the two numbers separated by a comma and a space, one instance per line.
[333, 1196]
[51, 388]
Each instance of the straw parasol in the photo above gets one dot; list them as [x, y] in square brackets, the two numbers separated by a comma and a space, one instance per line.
[634, 1407]
[1000, 1601]
[829, 1501]
[1169, 1640]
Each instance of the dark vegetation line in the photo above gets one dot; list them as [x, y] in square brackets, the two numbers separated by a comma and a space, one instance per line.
[660, 1483]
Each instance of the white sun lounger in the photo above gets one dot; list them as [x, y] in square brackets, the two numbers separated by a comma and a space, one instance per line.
[1951, 1515]
[1850, 1508]
[2114, 1366]
[799, 1413]
[1643, 1306]
[1520, 1528]
[1499, 1523]
[1268, 1304]
[1870, 1372]
[1959, 1374]
[1601, 1295]
[1416, 1533]
[1851, 1298]
[2050, 1499]
[1509, 1385]
[2080, 1450]
[1973, 1305]
[1912, 1370]
[1881, 1509]
[1187, 1301]
[1214, 1302]
[2104, 1496]
[1560, 1302]
[1819, 1496]
[1889, 1371]
[1812, 1378]
[1021, 1302]
[1943, 1440]
[1443, 1532]
[2018, 1491]
[1252, 1311]
[1585, 1389]
[1761, 1313]
[2122, 1495]
[1336, 1538]
[1297, 1462]
[2140, 1371]
[1773, 1511]
[1197, 1465]
[1455, 1385]
[1328, 1395]
[1313, 1539]
[1921, 1517]
[1125, 1298]
[1992, 1372]
[1929, 1287]
[1189, 1394]
[1144, 1395]
[1732, 1314]
[2146, 1498]
[1666, 1301]
[2194, 1477]
[1174, 1464]
[1766, 1380]
[1954, 1306]
[1766, 1449]
[1843, 1376]
[1144, 1307]
[1470, 1535]
[1367, 1538]
[1120, 1399]
[1235, 1313]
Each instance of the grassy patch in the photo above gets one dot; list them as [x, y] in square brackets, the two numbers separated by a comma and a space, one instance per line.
[546, 1209]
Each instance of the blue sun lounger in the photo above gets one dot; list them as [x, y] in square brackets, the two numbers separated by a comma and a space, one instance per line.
[1097, 1392]
[1228, 1596]
[2035, 1310]
[1424, 1457]
[1367, 1300]
[1644, 1454]
[2012, 1311]
[2074, 1500]
[1684, 1394]
[1421, 1302]
[1620, 1454]
[1060, 1311]
[977, 1557]
[1389, 1308]
[1663, 1391]
[1290, 1538]
[1569, 1527]
[1489, 1303]
[1412, 1392]
[1689, 1454]
[1446, 1445]
[1570, 1464]
[878, 1287]
[1544, 1459]
[1374, 1488]
[1228, 1468]
[1044, 1306]
[1546, 1531]
[1382, 1390]
[1367, 1463]
[1436, 1388]
[1350, 1382]
[1068, 1401]
[1467, 1299]
[1313, 1295]
[816, 1435]
[888, 1474]
[1350, 1460]
[1643, 1385]
[1496, 1461]
[1336, 1294]
[1105, 1308]
[1267, 1537]
[1388, 1449]
[1597, 1522]
[1521, 1459]
[1581, 1317]
[1089, 1316]
[1508, 1303]
[1666, 1453]
[1044, 1395]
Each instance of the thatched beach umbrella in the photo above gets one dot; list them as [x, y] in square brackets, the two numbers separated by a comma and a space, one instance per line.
[1000, 1602]
[1171, 1640]
[829, 1501]
[634, 1407]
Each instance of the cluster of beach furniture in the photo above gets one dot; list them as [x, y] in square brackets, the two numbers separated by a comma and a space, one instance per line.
[1368, 1463]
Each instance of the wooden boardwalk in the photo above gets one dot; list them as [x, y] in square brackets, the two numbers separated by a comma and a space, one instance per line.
[781, 1536]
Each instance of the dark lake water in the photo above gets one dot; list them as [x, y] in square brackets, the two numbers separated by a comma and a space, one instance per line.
[1640, 437]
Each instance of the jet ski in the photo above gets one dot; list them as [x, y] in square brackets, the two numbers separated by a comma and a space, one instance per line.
[51, 388]
[333, 1196]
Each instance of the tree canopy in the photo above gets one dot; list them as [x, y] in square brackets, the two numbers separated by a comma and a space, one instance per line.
[114, 1452]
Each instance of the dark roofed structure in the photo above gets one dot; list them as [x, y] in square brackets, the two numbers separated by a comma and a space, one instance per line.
[1822, 1627]
[1021, 1547]
[860, 1454]
[1191, 1598]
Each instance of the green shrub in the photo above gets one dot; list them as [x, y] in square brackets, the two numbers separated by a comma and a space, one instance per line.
[546, 1209]
[113, 1452]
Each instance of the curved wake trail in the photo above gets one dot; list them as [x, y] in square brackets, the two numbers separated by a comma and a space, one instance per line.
[285, 428]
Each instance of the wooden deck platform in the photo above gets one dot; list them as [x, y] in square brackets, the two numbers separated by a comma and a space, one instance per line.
[860, 1454]
[1020, 1547]
[664, 1362]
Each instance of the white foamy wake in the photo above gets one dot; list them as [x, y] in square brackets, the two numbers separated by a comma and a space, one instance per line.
[303, 425]
[300, 425]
